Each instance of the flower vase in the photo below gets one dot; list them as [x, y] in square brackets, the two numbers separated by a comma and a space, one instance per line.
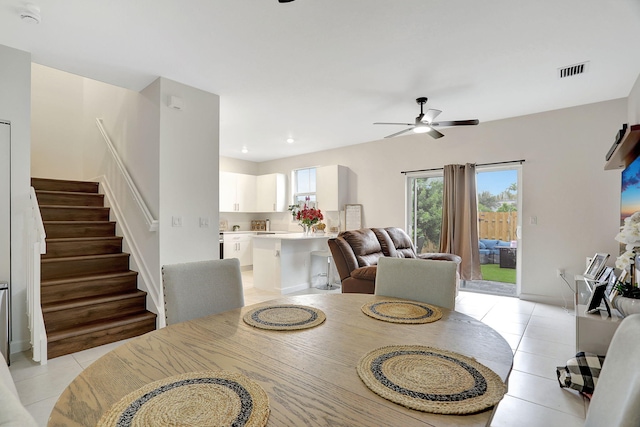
[306, 229]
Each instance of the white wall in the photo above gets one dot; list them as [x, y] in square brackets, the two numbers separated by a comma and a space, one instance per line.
[56, 116]
[228, 164]
[15, 106]
[564, 185]
[634, 104]
[189, 177]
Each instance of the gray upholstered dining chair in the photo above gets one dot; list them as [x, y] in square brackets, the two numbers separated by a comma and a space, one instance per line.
[616, 398]
[432, 282]
[201, 288]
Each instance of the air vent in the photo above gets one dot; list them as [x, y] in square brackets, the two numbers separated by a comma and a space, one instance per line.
[573, 70]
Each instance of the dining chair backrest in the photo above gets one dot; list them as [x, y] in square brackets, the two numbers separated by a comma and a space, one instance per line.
[197, 289]
[429, 281]
[616, 398]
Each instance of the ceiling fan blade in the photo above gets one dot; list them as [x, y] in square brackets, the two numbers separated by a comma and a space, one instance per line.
[430, 115]
[434, 133]
[399, 133]
[457, 123]
[403, 124]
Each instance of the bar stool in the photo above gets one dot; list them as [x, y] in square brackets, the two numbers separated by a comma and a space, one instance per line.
[328, 285]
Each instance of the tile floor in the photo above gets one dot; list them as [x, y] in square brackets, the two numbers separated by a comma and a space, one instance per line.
[541, 336]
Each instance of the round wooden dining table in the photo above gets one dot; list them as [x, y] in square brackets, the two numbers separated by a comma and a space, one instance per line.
[309, 375]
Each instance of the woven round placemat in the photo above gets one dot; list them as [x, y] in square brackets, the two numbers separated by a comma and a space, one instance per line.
[402, 311]
[210, 398]
[431, 380]
[286, 317]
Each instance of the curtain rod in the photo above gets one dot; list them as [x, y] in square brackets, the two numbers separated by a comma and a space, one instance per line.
[521, 161]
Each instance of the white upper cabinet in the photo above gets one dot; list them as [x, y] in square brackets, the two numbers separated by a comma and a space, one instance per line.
[332, 187]
[237, 192]
[271, 191]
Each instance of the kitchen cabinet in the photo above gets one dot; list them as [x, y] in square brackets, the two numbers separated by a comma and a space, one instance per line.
[237, 192]
[238, 245]
[332, 187]
[282, 262]
[271, 192]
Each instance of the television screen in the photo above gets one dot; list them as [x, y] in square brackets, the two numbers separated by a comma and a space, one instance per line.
[630, 195]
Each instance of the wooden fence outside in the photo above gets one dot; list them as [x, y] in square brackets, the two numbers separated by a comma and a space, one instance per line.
[491, 225]
[497, 225]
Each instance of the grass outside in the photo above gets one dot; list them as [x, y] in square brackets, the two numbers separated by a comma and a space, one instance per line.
[494, 273]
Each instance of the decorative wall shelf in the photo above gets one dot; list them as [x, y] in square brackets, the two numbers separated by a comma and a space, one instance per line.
[627, 150]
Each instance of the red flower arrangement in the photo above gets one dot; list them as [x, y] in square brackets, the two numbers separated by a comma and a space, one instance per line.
[309, 216]
[306, 216]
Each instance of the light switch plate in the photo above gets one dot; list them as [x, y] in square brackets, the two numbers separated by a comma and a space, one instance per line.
[176, 221]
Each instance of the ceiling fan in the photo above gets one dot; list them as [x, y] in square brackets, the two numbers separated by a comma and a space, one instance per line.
[425, 124]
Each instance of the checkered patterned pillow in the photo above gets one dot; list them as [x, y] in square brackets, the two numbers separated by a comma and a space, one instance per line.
[581, 372]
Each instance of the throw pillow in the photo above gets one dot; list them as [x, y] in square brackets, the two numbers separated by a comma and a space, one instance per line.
[581, 372]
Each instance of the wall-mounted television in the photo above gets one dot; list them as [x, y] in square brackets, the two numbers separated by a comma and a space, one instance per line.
[630, 194]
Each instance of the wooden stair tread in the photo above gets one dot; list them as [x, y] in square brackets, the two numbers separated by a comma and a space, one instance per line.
[81, 239]
[76, 222]
[54, 282]
[35, 180]
[81, 302]
[69, 193]
[98, 326]
[83, 258]
[105, 208]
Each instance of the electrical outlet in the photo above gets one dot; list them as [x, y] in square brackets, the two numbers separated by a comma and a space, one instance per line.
[176, 221]
[560, 272]
[204, 222]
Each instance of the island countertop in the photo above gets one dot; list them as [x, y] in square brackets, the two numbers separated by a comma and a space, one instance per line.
[293, 236]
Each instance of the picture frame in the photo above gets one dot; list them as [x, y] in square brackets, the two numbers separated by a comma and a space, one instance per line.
[603, 277]
[596, 265]
[610, 291]
[353, 216]
[596, 299]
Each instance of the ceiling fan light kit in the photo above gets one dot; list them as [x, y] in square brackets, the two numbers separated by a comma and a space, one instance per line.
[424, 122]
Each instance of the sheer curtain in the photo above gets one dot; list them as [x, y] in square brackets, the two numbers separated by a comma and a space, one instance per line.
[459, 233]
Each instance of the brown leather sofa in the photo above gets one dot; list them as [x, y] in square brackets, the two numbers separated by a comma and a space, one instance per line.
[356, 254]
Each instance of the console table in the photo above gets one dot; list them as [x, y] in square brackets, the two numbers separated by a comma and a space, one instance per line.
[593, 331]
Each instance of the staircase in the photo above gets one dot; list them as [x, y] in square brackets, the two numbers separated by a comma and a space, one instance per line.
[89, 296]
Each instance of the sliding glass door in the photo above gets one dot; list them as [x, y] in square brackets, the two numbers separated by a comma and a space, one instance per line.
[499, 201]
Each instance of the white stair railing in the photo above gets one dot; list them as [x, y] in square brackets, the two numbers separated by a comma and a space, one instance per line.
[37, 246]
[151, 222]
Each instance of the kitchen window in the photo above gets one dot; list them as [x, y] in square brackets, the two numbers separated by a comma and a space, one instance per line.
[304, 185]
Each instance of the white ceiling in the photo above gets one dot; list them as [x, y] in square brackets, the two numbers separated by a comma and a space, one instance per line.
[322, 71]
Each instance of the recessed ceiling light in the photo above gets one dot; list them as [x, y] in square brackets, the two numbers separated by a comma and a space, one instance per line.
[245, 150]
[30, 14]
[290, 140]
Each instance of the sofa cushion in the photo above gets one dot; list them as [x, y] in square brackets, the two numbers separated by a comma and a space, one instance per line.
[402, 243]
[365, 245]
[481, 245]
[489, 244]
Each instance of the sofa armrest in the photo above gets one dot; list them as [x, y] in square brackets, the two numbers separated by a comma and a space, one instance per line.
[365, 273]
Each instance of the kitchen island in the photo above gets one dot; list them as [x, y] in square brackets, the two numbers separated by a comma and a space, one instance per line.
[282, 262]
